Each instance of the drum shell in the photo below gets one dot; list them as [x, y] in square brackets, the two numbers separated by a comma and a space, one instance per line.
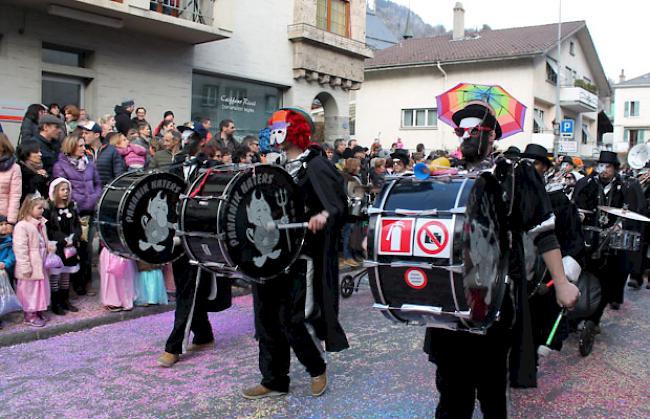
[625, 240]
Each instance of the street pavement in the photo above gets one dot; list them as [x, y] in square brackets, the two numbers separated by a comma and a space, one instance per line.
[110, 371]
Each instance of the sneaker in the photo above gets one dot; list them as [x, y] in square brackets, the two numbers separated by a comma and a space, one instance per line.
[34, 321]
[114, 309]
[260, 392]
[319, 385]
[198, 347]
[634, 284]
[167, 360]
[351, 263]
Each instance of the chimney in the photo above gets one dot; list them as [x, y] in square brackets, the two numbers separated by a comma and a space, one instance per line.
[459, 22]
[408, 31]
[621, 77]
[371, 7]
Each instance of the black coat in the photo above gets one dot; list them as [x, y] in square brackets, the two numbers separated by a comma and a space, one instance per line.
[50, 151]
[123, 121]
[28, 130]
[61, 223]
[33, 182]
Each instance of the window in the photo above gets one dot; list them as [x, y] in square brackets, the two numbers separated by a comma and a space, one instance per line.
[334, 16]
[632, 108]
[62, 90]
[55, 54]
[551, 71]
[585, 134]
[210, 96]
[571, 76]
[538, 121]
[419, 118]
[572, 48]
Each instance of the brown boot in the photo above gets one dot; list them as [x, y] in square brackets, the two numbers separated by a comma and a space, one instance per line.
[198, 347]
[260, 392]
[319, 385]
[167, 360]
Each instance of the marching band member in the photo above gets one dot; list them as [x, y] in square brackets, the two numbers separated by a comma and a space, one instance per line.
[298, 309]
[460, 376]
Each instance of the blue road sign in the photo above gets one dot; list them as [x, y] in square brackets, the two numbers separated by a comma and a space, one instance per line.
[566, 127]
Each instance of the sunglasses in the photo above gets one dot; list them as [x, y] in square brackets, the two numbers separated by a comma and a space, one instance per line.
[473, 131]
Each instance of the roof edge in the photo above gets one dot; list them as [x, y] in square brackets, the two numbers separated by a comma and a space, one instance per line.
[435, 63]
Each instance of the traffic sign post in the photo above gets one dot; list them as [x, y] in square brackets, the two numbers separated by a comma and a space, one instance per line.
[567, 128]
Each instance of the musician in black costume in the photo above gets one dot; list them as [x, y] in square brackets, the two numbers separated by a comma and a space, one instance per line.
[194, 286]
[607, 188]
[299, 309]
[461, 377]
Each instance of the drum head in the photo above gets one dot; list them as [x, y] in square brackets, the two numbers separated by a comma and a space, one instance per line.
[149, 218]
[256, 198]
[485, 253]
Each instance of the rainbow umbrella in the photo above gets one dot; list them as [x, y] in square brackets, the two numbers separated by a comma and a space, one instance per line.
[508, 111]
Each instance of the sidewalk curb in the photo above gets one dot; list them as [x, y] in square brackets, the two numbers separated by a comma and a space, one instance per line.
[25, 336]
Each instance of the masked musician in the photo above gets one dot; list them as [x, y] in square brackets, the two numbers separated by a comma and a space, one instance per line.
[194, 285]
[300, 308]
[607, 188]
[471, 366]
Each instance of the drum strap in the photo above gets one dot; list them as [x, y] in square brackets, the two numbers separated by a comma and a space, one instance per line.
[201, 185]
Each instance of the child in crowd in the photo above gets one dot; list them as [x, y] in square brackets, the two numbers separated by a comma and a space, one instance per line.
[117, 276]
[30, 248]
[64, 228]
[150, 286]
[135, 156]
[7, 258]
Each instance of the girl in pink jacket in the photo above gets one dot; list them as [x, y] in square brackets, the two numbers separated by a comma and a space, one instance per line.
[11, 186]
[135, 156]
[30, 248]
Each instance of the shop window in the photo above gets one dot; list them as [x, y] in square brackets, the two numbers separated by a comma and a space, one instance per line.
[334, 16]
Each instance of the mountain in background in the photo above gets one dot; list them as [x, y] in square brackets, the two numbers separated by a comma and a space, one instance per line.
[394, 17]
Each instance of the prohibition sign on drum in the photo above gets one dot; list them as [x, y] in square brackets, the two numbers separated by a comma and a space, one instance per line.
[432, 238]
[415, 278]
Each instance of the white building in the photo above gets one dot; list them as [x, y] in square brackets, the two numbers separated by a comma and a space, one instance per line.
[398, 98]
[238, 59]
[631, 112]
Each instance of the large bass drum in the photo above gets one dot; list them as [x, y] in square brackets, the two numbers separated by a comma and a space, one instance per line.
[137, 216]
[227, 217]
[438, 251]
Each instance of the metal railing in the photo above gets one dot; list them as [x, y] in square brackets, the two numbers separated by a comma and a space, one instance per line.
[199, 11]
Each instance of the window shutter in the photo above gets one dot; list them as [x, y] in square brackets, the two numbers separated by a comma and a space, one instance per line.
[627, 109]
[641, 138]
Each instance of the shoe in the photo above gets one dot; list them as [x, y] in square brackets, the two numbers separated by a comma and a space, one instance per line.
[198, 347]
[615, 306]
[647, 286]
[33, 320]
[634, 284]
[260, 392]
[167, 360]
[319, 385]
[41, 315]
[91, 293]
[56, 307]
[65, 301]
[80, 291]
[351, 263]
[114, 309]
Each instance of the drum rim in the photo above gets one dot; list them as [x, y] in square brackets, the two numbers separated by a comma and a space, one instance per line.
[118, 212]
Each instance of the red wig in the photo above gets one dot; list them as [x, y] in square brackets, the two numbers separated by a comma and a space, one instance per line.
[292, 127]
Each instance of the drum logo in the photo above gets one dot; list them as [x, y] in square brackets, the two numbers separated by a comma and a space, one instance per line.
[264, 239]
[155, 225]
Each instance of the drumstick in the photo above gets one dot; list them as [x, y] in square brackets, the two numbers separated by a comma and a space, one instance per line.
[271, 225]
[545, 349]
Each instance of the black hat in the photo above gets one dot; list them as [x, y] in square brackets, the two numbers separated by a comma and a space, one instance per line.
[536, 152]
[609, 157]
[358, 149]
[401, 155]
[567, 159]
[475, 110]
[512, 151]
[347, 153]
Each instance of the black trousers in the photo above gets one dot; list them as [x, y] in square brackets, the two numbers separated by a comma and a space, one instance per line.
[471, 367]
[280, 325]
[185, 280]
[612, 280]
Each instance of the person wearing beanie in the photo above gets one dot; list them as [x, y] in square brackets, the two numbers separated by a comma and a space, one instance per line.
[285, 318]
[123, 113]
[64, 228]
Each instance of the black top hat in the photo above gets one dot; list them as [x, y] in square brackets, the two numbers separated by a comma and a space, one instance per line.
[609, 157]
[536, 152]
[512, 151]
[568, 159]
[475, 110]
[401, 155]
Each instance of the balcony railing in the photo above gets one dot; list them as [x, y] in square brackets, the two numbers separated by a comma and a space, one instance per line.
[198, 11]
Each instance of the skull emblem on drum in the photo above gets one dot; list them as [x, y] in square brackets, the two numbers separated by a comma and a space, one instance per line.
[264, 238]
[155, 225]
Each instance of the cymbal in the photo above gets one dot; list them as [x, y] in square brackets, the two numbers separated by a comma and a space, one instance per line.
[621, 212]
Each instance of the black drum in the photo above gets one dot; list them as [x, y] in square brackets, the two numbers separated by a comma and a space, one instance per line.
[438, 251]
[228, 218]
[137, 216]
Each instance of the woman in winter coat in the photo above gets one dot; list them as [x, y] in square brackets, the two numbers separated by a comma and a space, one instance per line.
[29, 127]
[35, 177]
[86, 185]
[10, 181]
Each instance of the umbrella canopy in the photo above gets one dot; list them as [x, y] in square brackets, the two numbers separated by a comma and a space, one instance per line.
[507, 110]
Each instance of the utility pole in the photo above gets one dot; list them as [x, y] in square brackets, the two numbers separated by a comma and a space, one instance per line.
[558, 113]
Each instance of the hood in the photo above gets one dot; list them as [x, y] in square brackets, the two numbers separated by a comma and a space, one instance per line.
[121, 109]
[56, 182]
[6, 162]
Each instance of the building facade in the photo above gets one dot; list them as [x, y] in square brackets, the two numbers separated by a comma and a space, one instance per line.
[216, 59]
[631, 113]
[398, 98]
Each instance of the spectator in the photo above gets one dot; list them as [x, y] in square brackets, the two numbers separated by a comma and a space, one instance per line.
[329, 150]
[74, 165]
[55, 110]
[117, 276]
[226, 135]
[123, 116]
[64, 228]
[7, 257]
[10, 181]
[107, 160]
[165, 128]
[171, 146]
[252, 143]
[420, 149]
[242, 155]
[401, 161]
[35, 177]
[144, 132]
[29, 129]
[71, 113]
[351, 171]
[168, 116]
[214, 153]
[107, 122]
[377, 173]
[141, 117]
[30, 247]
[339, 148]
[375, 149]
[418, 157]
[83, 116]
[135, 156]
[352, 144]
[50, 128]
[207, 125]
[150, 285]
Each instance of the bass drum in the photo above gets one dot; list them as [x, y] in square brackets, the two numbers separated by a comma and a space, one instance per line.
[137, 216]
[438, 251]
[226, 218]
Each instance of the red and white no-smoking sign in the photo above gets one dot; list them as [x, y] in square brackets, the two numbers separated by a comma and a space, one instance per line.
[396, 236]
[432, 238]
[415, 278]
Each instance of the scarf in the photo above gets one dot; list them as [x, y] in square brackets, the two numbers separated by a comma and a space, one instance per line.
[6, 162]
[78, 163]
[34, 167]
